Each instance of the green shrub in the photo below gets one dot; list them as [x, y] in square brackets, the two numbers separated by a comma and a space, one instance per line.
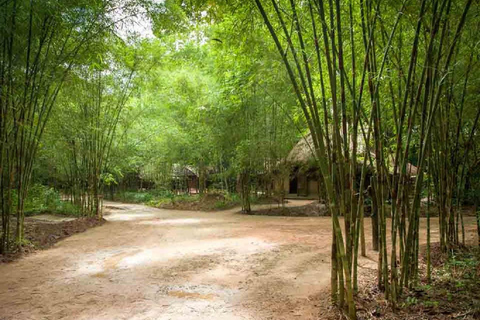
[146, 197]
[68, 208]
[135, 197]
[44, 199]
[213, 200]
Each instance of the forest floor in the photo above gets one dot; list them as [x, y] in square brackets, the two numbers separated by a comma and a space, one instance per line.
[148, 263]
[294, 208]
[452, 293]
[44, 230]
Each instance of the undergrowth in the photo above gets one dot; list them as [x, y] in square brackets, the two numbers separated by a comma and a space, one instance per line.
[455, 286]
[213, 200]
[43, 199]
[452, 293]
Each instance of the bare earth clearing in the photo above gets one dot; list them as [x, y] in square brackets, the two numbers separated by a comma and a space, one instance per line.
[147, 263]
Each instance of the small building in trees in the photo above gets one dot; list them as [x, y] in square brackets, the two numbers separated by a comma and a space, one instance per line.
[185, 179]
[188, 179]
[301, 177]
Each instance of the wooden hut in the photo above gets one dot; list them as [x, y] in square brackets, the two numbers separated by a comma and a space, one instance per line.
[185, 179]
[303, 179]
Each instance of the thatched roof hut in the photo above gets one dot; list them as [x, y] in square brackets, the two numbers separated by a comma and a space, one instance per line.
[303, 154]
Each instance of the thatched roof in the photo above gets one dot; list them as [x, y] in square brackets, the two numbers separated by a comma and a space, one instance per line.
[412, 170]
[179, 170]
[303, 153]
[182, 171]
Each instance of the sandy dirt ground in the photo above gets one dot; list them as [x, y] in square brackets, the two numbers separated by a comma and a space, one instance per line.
[51, 218]
[147, 263]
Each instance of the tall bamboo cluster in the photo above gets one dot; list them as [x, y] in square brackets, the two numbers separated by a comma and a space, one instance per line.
[89, 140]
[376, 83]
[40, 42]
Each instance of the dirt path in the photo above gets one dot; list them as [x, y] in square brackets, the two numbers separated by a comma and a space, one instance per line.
[148, 263]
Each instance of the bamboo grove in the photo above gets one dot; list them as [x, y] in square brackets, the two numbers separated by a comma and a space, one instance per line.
[380, 82]
[386, 91]
[41, 44]
[97, 113]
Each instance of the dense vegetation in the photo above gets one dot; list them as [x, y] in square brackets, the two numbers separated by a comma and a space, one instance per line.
[92, 108]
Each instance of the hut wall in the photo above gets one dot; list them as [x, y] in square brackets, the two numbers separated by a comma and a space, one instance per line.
[302, 186]
[312, 187]
[286, 185]
[306, 187]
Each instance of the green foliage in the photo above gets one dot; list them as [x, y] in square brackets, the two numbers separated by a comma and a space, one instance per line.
[453, 288]
[214, 200]
[135, 197]
[108, 179]
[228, 200]
[462, 268]
[144, 197]
[411, 301]
[44, 199]
[431, 304]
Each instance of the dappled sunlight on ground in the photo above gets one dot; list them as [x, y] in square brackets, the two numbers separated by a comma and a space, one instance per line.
[172, 221]
[130, 216]
[233, 246]
[146, 263]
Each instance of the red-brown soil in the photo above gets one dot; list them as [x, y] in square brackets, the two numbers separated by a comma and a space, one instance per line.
[148, 263]
[43, 233]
